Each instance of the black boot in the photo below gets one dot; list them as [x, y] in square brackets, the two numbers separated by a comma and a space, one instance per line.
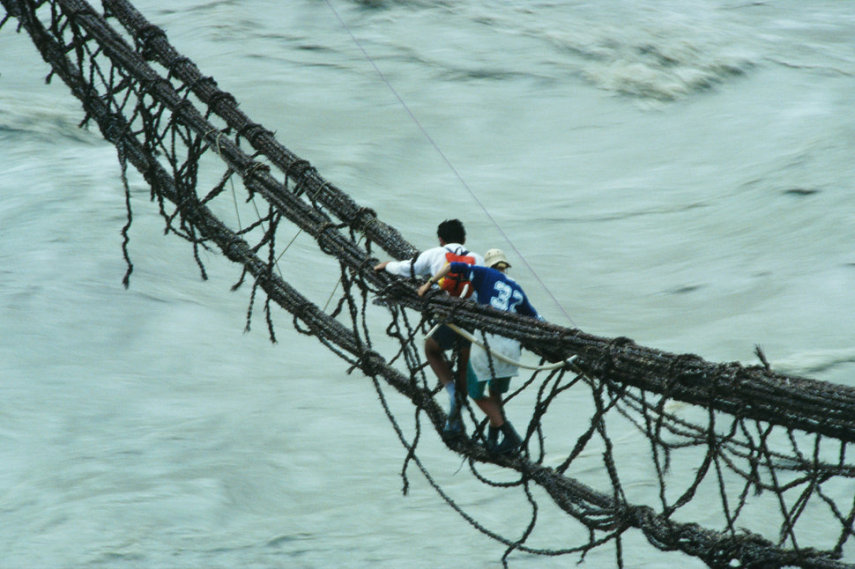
[453, 428]
[492, 439]
[510, 440]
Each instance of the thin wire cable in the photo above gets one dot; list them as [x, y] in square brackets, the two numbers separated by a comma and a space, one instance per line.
[447, 161]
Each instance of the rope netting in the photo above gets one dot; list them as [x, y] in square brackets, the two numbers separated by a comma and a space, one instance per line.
[758, 456]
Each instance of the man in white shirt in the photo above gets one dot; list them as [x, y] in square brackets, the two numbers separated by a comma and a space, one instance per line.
[452, 236]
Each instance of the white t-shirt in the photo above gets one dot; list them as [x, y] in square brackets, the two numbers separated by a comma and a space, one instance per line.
[429, 262]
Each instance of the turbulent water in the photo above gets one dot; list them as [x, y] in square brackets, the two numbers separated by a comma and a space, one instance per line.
[676, 172]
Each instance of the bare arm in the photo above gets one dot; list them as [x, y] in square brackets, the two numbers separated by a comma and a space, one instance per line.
[434, 279]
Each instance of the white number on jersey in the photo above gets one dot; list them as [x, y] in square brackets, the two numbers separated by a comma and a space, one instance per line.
[505, 297]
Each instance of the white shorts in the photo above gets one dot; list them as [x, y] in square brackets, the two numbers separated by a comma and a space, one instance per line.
[497, 344]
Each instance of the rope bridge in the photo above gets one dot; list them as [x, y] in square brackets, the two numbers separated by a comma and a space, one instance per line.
[723, 441]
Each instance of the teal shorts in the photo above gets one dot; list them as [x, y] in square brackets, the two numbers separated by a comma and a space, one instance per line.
[477, 388]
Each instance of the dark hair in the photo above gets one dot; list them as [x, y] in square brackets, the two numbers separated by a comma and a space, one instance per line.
[451, 231]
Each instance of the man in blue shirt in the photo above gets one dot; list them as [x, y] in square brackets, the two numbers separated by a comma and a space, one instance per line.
[496, 363]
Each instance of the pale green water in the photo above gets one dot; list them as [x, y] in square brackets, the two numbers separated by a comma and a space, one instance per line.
[679, 173]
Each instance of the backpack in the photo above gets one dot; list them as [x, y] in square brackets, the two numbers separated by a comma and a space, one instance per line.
[457, 284]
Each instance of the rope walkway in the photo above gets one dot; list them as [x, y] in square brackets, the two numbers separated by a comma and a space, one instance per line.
[724, 437]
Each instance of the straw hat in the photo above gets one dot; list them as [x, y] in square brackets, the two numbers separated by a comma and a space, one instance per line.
[495, 256]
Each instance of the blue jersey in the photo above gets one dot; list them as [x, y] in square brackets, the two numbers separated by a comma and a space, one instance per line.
[496, 289]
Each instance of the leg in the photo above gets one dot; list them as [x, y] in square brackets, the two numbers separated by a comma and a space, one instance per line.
[437, 361]
[463, 367]
[434, 353]
[492, 407]
[510, 439]
[490, 404]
